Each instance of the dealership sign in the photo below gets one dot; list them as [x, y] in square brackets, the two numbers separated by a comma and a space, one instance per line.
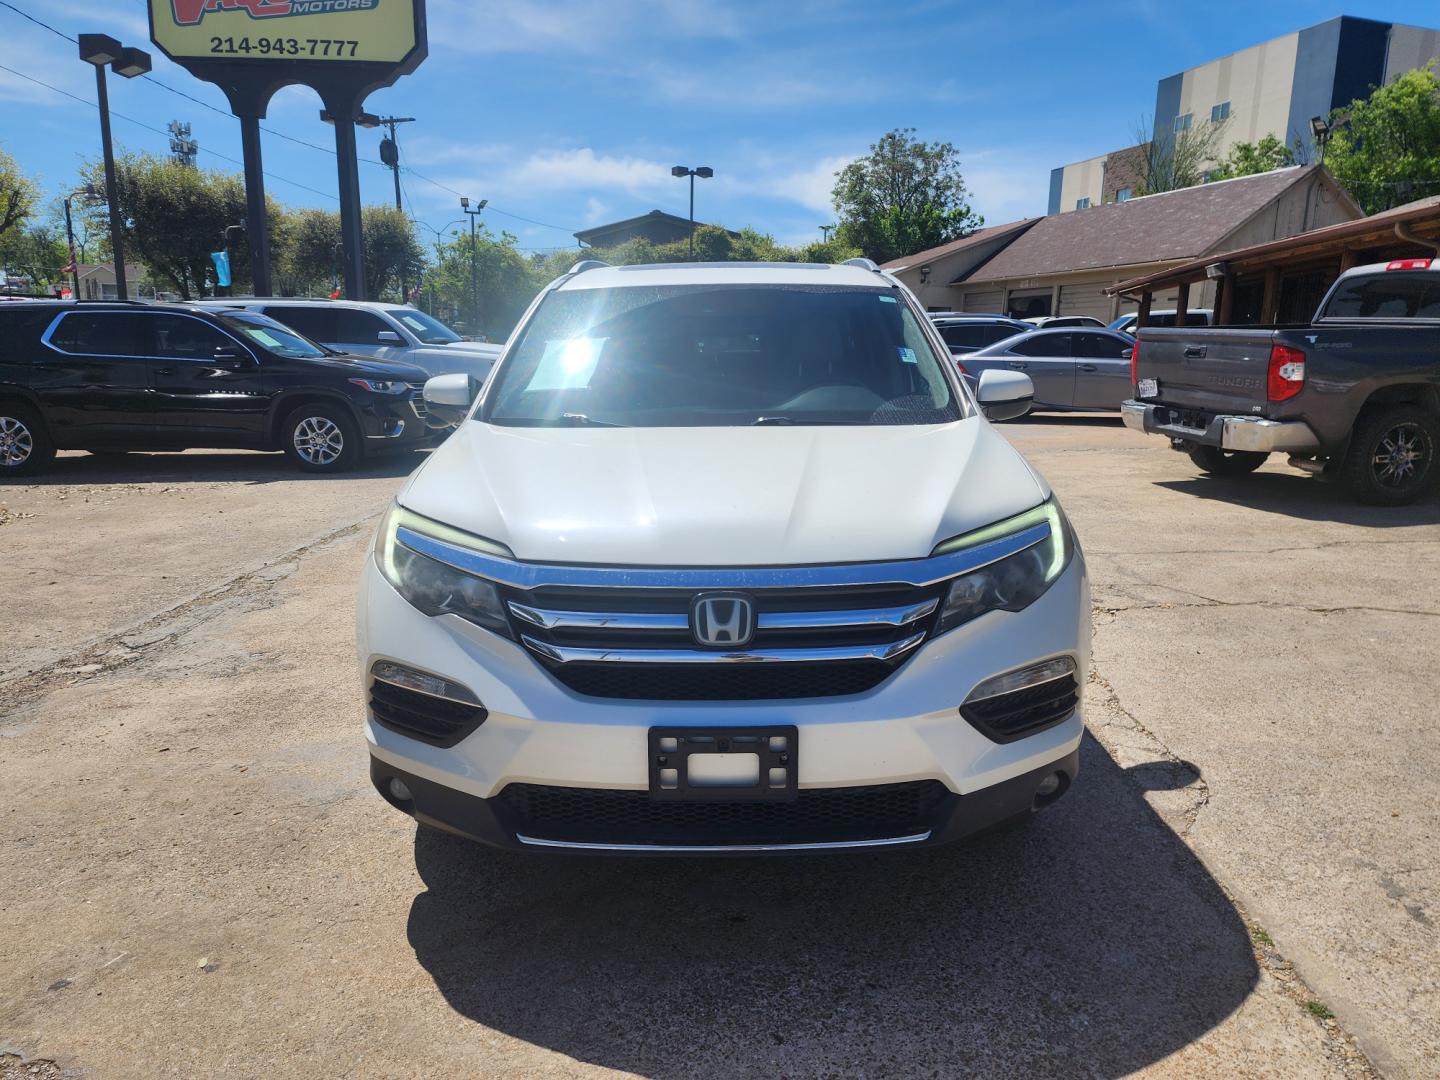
[276, 32]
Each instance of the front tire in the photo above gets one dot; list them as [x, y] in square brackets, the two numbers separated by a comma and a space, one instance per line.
[25, 446]
[1217, 462]
[321, 438]
[1391, 459]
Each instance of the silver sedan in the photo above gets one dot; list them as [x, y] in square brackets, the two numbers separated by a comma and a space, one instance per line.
[1072, 368]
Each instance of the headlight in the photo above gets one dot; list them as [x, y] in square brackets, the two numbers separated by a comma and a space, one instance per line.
[1014, 582]
[431, 586]
[382, 386]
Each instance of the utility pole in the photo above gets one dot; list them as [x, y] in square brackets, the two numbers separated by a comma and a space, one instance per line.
[474, 281]
[390, 156]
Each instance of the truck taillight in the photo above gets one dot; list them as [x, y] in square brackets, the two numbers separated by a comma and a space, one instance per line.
[1287, 372]
[1408, 264]
[1135, 363]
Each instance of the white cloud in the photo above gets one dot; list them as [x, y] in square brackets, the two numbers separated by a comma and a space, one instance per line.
[595, 211]
[1006, 183]
[573, 27]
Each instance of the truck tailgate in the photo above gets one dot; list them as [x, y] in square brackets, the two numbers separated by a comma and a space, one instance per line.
[1212, 371]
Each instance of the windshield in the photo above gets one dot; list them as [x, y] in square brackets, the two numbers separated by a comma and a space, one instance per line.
[722, 355]
[267, 333]
[430, 330]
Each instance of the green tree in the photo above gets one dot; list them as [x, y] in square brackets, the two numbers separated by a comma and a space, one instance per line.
[172, 217]
[905, 195]
[18, 194]
[1385, 149]
[1247, 159]
[310, 252]
[505, 283]
[39, 252]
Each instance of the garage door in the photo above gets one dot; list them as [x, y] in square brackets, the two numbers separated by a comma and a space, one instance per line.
[1029, 303]
[986, 301]
[1085, 300]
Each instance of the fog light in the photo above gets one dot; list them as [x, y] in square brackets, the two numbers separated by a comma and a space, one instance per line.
[1049, 786]
[422, 682]
[399, 791]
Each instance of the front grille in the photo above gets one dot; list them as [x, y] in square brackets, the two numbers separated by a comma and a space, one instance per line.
[595, 641]
[821, 815]
[434, 720]
[737, 682]
[1007, 717]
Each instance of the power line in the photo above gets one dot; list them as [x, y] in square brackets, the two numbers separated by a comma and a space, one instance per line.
[157, 131]
[268, 130]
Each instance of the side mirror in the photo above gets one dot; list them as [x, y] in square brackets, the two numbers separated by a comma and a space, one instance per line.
[1127, 354]
[449, 396]
[389, 337]
[1004, 395]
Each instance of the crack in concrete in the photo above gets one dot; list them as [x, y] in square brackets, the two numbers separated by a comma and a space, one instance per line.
[1212, 601]
[1265, 551]
[152, 636]
[1339, 1045]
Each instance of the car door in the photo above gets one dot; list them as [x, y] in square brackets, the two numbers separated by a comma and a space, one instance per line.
[92, 376]
[1102, 370]
[1047, 356]
[208, 387]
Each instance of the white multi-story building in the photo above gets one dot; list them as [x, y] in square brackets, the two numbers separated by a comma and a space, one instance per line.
[1273, 88]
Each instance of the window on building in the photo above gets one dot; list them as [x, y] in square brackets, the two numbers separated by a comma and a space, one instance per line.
[1124, 194]
[1220, 112]
[1082, 204]
[1183, 122]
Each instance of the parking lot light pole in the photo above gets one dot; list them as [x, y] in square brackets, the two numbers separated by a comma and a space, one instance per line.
[704, 172]
[101, 50]
[474, 281]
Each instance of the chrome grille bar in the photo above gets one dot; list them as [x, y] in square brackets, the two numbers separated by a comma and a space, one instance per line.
[768, 620]
[916, 572]
[566, 654]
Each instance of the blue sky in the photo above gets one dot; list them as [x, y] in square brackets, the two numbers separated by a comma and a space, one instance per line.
[570, 113]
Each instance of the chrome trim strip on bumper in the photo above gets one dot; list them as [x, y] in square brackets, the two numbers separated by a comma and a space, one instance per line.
[721, 849]
[916, 572]
[565, 654]
[776, 620]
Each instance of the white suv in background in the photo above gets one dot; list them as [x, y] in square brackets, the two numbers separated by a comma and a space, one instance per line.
[396, 333]
[724, 559]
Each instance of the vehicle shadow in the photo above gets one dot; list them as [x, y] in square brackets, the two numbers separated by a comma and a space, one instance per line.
[1297, 495]
[1091, 942]
[1082, 419]
[207, 467]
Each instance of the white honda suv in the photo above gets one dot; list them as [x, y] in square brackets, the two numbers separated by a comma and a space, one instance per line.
[724, 558]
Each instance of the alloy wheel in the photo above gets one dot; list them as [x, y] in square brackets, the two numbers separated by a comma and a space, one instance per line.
[319, 440]
[16, 442]
[1401, 455]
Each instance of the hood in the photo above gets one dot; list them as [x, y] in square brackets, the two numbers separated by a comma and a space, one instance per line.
[722, 496]
[366, 365]
[452, 359]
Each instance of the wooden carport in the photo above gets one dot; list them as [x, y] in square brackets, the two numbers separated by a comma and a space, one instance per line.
[1274, 282]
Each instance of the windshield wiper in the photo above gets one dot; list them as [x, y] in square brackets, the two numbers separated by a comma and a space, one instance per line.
[761, 421]
[581, 420]
[788, 421]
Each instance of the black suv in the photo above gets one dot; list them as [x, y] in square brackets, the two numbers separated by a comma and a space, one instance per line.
[117, 376]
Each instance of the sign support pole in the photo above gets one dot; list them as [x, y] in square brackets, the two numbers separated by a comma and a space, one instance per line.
[257, 221]
[351, 233]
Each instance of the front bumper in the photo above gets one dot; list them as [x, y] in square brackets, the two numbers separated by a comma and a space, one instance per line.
[907, 729]
[392, 423]
[1249, 433]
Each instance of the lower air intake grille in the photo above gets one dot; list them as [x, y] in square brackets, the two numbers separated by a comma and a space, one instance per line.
[434, 720]
[586, 815]
[727, 682]
[1011, 716]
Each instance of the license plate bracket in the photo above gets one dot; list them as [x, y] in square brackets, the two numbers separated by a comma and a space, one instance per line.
[775, 746]
[1148, 388]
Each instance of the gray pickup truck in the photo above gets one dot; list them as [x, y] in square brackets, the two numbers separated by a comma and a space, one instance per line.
[1354, 395]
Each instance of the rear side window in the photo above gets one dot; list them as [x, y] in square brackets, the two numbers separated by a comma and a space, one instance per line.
[317, 323]
[1045, 345]
[975, 336]
[101, 333]
[21, 327]
[1100, 346]
[1387, 296]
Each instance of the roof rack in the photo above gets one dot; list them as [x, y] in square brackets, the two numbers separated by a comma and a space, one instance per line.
[862, 263]
[588, 264]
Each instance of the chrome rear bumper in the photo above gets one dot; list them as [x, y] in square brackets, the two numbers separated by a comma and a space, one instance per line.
[1249, 433]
